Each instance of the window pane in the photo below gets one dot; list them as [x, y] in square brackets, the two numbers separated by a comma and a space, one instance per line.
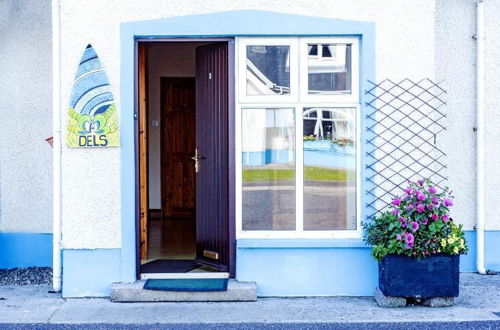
[268, 70]
[330, 169]
[330, 73]
[268, 161]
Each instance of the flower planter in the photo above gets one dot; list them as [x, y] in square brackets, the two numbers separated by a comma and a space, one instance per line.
[434, 276]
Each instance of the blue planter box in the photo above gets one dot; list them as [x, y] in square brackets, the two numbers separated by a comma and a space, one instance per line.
[434, 276]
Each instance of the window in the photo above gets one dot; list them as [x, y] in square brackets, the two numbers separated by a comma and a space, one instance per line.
[298, 137]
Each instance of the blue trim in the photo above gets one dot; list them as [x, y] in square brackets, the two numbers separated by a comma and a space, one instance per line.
[287, 243]
[21, 250]
[89, 273]
[223, 24]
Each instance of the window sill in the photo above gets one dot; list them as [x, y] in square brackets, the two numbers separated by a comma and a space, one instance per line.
[283, 243]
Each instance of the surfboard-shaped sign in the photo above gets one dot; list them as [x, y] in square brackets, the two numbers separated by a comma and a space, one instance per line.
[92, 120]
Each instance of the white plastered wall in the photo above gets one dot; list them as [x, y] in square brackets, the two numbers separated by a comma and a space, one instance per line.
[456, 64]
[25, 116]
[91, 177]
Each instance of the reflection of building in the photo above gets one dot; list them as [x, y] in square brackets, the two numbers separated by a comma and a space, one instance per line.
[329, 124]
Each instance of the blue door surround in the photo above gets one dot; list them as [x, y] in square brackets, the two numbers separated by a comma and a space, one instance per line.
[234, 24]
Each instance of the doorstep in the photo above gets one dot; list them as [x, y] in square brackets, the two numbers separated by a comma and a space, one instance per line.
[135, 292]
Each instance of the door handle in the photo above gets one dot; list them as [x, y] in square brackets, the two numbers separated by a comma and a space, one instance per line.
[196, 158]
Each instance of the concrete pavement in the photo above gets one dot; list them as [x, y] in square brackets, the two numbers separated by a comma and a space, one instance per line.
[32, 307]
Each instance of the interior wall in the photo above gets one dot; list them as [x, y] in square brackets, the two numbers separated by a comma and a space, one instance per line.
[164, 60]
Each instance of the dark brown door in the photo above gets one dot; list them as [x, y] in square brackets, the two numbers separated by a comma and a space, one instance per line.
[212, 221]
[178, 145]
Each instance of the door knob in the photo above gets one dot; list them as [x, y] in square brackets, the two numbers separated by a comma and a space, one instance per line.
[196, 158]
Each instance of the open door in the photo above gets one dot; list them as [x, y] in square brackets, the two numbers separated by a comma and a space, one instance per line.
[211, 156]
[143, 151]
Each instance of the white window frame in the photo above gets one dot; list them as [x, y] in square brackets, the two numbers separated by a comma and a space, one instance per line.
[293, 43]
[353, 97]
[283, 101]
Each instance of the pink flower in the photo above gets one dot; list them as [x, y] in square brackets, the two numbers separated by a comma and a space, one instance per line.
[404, 224]
[421, 197]
[432, 190]
[435, 200]
[396, 202]
[395, 211]
[429, 206]
[425, 221]
[421, 182]
[447, 202]
[408, 191]
[409, 207]
[398, 237]
[434, 216]
[420, 208]
[414, 226]
[445, 218]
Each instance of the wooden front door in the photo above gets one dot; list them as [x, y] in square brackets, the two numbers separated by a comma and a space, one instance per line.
[178, 132]
[212, 215]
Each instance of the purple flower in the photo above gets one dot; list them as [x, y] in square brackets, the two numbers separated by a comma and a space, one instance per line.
[435, 200]
[398, 237]
[409, 246]
[395, 211]
[396, 202]
[420, 197]
[434, 216]
[432, 190]
[409, 207]
[414, 226]
[447, 202]
[404, 224]
[408, 191]
[445, 218]
[420, 208]
[401, 219]
[429, 206]
[425, 221]
[421, 182]
[410, 238]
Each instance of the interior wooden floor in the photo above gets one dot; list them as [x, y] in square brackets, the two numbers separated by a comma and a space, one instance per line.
[171, 239]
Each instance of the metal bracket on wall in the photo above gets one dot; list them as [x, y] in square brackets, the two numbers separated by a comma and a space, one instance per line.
[403, 120]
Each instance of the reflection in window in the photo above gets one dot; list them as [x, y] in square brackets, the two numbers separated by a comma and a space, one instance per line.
[329, 168]
[329, 72]
[268, 70]
[268, 159]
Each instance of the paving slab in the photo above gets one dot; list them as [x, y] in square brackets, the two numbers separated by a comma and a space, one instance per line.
[28, 304]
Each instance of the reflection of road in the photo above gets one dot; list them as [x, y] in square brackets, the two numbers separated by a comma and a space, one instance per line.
[327, 206]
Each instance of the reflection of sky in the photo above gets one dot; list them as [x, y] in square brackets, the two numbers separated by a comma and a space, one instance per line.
[324, 154]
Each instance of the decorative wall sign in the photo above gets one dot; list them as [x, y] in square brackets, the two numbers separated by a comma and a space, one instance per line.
[92, 120]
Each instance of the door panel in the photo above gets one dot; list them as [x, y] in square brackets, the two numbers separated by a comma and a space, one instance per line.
[212, 220]
[178, 144]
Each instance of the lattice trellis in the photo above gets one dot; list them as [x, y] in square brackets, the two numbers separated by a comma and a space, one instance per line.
[403, 120]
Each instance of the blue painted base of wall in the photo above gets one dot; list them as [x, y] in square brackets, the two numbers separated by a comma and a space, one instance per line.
[21, 250]
[89, 273]
[492, 251]
[328, 267]
[307, 267]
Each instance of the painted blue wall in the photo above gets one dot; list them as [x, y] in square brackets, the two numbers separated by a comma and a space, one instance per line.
[307, 267]
[25, 250]
[89, 273]
[491, 252]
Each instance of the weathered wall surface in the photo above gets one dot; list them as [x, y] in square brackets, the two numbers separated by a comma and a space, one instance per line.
[25, 114]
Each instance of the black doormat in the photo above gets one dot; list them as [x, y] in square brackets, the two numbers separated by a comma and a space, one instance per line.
[169, 266]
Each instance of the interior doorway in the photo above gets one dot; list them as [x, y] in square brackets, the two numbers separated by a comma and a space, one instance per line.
[184, 153]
